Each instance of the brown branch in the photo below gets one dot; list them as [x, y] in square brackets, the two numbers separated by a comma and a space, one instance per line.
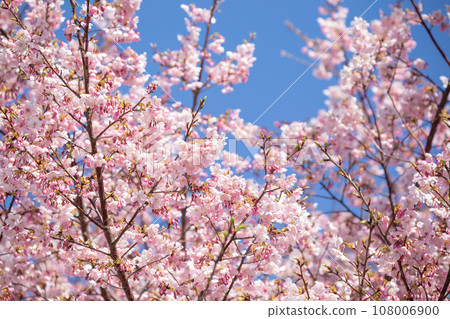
[302, 277]
[184, 226]
[58, 75]
[121, 274]
[218, 259]
[444, 293]
[85, 233]
[79, 244]
[196, 92]
[437, 118]
[233, 281]
[429, 33]
[127, 226]
[119, 118]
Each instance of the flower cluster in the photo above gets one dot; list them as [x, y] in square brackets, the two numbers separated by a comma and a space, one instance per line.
[187, 65]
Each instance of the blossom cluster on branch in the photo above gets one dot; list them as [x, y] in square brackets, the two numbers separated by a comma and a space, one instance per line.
[111, 191]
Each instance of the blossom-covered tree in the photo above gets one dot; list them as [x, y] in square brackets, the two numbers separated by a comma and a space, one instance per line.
[112, 190]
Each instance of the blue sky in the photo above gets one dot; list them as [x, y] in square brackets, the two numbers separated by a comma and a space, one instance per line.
[161, 21]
